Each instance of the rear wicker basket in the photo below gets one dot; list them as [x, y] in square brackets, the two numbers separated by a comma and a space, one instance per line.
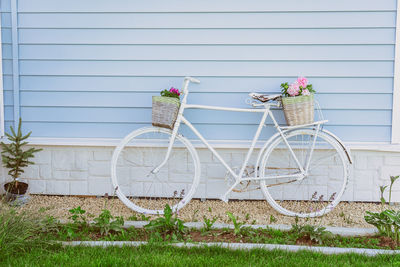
[298, 110]
[164, 111]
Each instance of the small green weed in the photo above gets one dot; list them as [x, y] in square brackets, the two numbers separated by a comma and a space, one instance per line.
[316, 233]
[345, 217]
[272, 219]
[142, 217]
[77, 216]
[236, 224]
[194, 215]
[78, 227]
[208, 223]
[106, 223]
[169, 225]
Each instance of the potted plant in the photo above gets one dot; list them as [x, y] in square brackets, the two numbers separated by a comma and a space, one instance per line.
[15, 157]
[165, 108]
[298, 102]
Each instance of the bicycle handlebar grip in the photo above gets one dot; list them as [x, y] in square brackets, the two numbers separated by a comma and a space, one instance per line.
[191, 79]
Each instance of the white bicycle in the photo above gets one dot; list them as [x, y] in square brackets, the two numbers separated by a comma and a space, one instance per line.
[302, 170]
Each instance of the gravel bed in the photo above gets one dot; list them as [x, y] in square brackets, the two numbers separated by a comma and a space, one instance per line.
[257, 212]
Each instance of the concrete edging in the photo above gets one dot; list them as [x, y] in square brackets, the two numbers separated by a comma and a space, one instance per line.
[242, 246]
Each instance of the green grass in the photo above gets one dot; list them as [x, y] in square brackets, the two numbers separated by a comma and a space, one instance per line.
[151, 255]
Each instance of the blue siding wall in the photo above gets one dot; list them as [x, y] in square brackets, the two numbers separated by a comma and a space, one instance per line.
[89, 68]
[5, 13]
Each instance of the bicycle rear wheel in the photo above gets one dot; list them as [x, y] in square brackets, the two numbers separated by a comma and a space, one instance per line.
[138, 154]
[321, 188]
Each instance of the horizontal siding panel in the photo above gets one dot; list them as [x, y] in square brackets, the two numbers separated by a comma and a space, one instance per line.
[7, 66]
[361, 133]
[200, 6]
[208, 84]
[7, 125]
[206, 68]
[7, 51]
[5, 5]
[210, 131]
[8, 98]
[126, 99]
[8, 113]
[6, 36]
[208, 20]
[143, 115]
[5, 20]
[205, 52]
[207, 36]
[7, 83]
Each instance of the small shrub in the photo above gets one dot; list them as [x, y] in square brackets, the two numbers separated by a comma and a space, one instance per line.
[387, 222]
[15, 157]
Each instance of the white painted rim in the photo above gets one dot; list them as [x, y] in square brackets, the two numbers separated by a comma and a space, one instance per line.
[333, 204]
[125, 141]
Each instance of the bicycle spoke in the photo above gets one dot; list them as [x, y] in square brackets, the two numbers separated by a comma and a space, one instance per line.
[319, 161]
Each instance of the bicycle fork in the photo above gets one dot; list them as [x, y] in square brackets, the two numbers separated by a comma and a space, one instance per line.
[186, 82]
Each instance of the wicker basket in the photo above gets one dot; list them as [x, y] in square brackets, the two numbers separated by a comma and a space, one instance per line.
[299, 109]
[164, 111]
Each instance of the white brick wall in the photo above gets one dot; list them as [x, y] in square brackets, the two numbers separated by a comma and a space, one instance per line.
[62, 170]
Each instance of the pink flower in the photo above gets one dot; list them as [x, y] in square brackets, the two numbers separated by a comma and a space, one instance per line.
[174, 90]
[305, 92]
[302, 82]
[293, 89]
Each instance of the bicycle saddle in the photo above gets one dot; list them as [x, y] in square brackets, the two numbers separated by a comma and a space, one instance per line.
[265, 98]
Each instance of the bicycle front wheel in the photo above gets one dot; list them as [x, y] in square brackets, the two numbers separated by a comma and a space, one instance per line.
[316, 192]
[147, 191]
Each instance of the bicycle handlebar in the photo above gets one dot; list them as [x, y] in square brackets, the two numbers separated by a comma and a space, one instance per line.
[191, 79]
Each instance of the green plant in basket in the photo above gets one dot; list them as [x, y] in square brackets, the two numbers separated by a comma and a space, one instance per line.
[172, 92]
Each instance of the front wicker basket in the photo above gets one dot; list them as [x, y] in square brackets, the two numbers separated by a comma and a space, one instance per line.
[164, 111]
[298, 110]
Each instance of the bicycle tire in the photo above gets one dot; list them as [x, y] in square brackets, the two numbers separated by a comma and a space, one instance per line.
[136, 190]
[307, 197]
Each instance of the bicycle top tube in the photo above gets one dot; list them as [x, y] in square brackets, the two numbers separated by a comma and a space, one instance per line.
[184, 105]
[259, 110]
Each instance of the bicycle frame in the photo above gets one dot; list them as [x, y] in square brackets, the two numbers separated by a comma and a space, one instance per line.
[266, 110]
